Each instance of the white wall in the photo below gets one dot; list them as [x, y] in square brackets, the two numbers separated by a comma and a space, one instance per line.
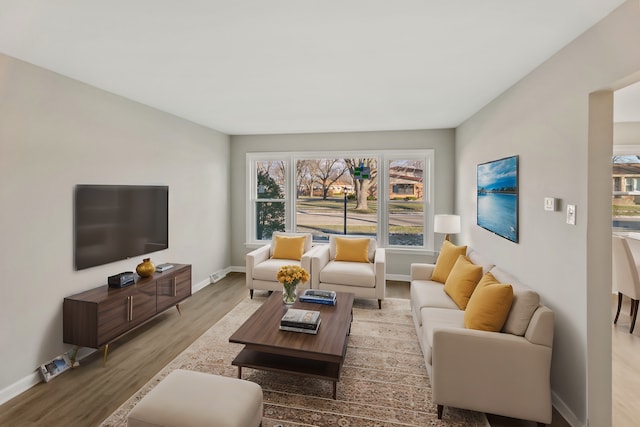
[55, 133]
[441, 140]
[564, 153]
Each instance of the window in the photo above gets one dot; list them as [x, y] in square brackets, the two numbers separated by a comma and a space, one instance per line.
[626, 189]
[406, 202]
[383, 194]
[269, 192]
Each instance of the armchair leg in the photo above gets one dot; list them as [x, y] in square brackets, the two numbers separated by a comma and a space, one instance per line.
[615, 321]
[440, 410]
[251, 293]
[380, 304]
[634, 304]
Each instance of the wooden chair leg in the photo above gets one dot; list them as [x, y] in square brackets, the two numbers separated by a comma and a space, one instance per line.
[634, 304]
[615, 321]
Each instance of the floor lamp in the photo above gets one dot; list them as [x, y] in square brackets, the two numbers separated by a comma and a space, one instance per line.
[446, 224]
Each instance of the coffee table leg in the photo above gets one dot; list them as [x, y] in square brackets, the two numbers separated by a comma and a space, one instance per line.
[335, 390]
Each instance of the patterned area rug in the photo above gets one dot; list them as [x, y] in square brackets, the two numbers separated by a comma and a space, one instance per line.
[384, 381]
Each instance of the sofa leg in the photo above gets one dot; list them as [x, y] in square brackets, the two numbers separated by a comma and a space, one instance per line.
[440, 410]
[380, 304]
[251, 293]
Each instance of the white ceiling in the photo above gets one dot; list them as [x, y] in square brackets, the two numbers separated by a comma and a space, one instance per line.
[283, 66]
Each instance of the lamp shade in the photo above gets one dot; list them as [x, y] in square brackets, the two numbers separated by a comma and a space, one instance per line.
[447, 224]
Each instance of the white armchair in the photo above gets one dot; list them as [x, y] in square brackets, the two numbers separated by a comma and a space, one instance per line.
[361, 272]
[262, 266]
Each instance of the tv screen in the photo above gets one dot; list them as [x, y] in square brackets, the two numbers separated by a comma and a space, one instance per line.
[116, 222]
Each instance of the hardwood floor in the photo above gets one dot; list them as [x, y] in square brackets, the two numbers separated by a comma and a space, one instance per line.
[85, 396]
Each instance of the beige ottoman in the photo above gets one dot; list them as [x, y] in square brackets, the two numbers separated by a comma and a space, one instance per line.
[194, 399]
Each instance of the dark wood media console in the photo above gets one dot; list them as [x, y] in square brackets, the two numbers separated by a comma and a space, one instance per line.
[96, 317]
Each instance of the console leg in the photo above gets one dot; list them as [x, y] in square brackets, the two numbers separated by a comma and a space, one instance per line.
[440, 410]
[106, 351]
[178, 307]
[73, 356]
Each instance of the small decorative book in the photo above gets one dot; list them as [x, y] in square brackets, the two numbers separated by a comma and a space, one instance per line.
[297, 318]
[313, 331]
[163, 267]
[318, 296]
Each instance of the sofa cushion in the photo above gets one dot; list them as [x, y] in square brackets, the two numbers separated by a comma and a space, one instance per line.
[353, 250]
[438, 318]
[267, 270]
[425, 293]
[288, 247]
[358, 274]
[489, 305]
[477, 258]
[462, 281]
[525, 303]
[448, 256]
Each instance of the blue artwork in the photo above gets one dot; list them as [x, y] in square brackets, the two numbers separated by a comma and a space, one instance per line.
[498, 197]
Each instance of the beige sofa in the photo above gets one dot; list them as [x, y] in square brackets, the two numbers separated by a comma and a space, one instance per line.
[505, 373]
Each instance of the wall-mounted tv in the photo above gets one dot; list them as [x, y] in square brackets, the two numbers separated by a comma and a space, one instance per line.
[117, 222]
[497, 193]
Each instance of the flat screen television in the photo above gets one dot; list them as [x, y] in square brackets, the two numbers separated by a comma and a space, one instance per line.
[117, 222]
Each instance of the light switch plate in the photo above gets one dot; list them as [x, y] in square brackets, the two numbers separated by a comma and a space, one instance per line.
[571, 214]
[549, 204]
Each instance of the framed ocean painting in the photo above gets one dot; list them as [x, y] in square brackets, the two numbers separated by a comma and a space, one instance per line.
[497, 183]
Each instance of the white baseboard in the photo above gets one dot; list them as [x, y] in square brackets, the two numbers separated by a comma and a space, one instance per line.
[200, 286]
[565, 411]
[399, 277]
[19, 386]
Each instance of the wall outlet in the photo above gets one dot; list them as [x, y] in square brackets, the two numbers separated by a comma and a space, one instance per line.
[549, 204]
[571, 214]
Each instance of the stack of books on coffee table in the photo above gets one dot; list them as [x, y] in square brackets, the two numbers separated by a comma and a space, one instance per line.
[297, 320]
[318, 296]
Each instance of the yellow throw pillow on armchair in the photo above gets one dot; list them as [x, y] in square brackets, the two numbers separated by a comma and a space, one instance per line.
[489, 305]
[353, 250]
[288, 247]
[449, 254]
[462, 280]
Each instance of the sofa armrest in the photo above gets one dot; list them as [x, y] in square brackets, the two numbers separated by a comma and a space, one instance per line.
[252, 259]
[319, 259]
[491, 372]
[420, 271]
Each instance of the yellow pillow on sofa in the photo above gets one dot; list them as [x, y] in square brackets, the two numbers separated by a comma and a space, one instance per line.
[489, 305]
[449, 254]
[462, 280]
[354, 250]
[288, 247]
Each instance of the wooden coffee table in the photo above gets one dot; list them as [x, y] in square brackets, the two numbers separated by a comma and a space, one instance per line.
[317, 356]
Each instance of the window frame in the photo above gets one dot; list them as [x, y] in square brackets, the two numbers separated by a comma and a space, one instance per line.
[383, 157]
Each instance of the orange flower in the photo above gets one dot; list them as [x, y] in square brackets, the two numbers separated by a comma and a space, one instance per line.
[292, 274]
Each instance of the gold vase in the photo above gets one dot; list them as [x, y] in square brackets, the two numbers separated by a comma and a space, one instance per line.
[145, 268]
